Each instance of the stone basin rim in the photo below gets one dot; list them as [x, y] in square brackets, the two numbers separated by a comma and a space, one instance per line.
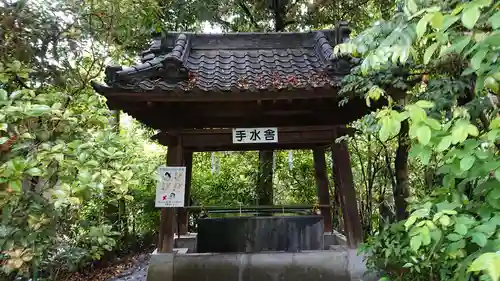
[263, 217]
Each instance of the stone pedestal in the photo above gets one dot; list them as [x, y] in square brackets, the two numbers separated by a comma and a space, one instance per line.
[340, 265]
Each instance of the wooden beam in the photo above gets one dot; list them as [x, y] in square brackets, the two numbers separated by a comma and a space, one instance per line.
[344, 184]
[288, 138]
[183, 212]
[282, 113]
[323, 190]
[167, 216]
[187, 120]
[243, 95]
[239, 108]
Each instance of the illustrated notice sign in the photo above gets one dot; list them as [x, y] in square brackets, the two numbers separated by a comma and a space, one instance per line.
[255, 135]
[171, 187]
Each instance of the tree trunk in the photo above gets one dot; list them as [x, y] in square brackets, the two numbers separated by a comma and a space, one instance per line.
[278, 8]
[385, 212]
[401, 191]
[322, 186]
[265, 184]
[344, 184]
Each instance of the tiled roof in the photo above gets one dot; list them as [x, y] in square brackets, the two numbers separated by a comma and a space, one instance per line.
[235, 62]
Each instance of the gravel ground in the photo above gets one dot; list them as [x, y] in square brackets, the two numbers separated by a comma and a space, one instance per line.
[138, 272]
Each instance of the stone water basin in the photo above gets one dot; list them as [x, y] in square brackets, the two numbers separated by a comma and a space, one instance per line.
[253, 234]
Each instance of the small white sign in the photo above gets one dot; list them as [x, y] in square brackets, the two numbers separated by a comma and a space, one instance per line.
[255, 135]
[171, 187]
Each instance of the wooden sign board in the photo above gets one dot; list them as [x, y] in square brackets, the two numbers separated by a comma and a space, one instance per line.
[171, 187]
[255, 135]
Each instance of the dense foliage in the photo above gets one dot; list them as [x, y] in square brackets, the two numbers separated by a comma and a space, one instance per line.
[453, 233]
[68, 175]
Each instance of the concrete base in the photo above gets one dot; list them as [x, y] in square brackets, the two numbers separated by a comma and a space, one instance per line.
[161, 267]
[334, 238]
[340, 265]
[186, 241]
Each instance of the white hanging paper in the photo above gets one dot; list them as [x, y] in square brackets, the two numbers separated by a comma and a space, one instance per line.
[290, 160]
[171, 187]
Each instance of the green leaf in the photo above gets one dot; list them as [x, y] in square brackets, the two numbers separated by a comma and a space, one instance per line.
[38, 110]
[478, 58]
[497, 174]
[433, 123]
[495, 193]
[74, 200]
[479, 238]
[489, 262]
[495, 123]
[415, 242]
[461, 229]
[425, 235]
[422, 25]
[467, 162]
[425, 155]
[412, 6]
[407, 265]
[444, 220]
[56, 106]
[444, 144]
[449, 20]
[424, 104]
[410, 221]
[437, 20]
[470, 16]
[459, 46]
[424, 134]
[3, 140]
[495, 20]
[26, 136]
[3, 95]
[429, 52]
[492, 135]
[483, 154]
[16, 185]
[492, 84]
[482, 3]
[35, 172]
[472, 130]
[460, 131]
[454, 237]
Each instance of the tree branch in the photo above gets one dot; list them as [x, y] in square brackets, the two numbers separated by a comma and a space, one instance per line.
[249, 14]
[224, 23]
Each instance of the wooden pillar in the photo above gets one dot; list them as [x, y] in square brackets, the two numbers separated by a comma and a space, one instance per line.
[344, 184]
[167, 215]
[265, 184]
[183, 212]
[322, 186]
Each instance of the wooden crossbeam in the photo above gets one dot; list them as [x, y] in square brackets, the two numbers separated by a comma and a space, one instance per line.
[197, 140]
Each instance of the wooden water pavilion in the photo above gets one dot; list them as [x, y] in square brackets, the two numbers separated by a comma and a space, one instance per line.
[195, 88]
